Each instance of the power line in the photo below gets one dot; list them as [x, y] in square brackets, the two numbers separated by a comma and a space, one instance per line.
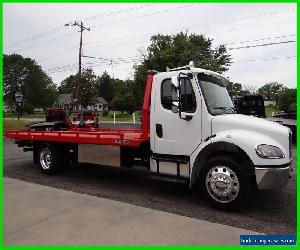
[191, 26]
[93, 65]
[261, 39]
[63, 51]
[153, 13]
[152, 33]
[119, 12]
[57, 29]
[59, 53]
[144, 15]
[266, 59]
[127, 59]
[211, 23]
[136, 58]
[48, 41]
[261, 45]
[103, 61]
[34, 37]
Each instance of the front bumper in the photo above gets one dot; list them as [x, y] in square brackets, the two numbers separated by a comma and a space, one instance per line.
[269, 178]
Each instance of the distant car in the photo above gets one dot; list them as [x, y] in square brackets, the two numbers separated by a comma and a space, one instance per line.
[250, 105]
[89, 119]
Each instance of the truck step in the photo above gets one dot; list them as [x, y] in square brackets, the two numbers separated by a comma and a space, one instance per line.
[168, 178]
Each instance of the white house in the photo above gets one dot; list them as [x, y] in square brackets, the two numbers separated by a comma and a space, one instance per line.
[66, 102]
[269, 103]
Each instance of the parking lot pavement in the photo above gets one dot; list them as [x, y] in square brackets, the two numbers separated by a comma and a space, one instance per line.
[270, 212]
[41, 215]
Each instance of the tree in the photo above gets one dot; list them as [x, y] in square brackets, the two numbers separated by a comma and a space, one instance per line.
[88, 87]
[24, 75]
[88, 90]
[287, 98]
[236, 89]
[124, 99]
[178, 50]
[68, 85]
[105, 87]
[270, 91]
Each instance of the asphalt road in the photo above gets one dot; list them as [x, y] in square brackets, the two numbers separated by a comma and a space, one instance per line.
[269, 212]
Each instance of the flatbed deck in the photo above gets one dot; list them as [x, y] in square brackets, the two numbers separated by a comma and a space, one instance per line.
[122, 137]
[129, 137]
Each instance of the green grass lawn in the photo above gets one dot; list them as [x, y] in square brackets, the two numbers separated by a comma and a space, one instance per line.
[119, 117]
[110, 117]
[15, 115]
[14, 124]
[271, 109]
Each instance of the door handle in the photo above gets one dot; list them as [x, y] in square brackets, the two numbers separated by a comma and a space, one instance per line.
[159, 130]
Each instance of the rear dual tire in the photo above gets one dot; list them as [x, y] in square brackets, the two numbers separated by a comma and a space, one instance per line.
[51, 158]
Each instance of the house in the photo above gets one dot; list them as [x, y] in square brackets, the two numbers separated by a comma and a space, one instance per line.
[269, 103]
[66, 102]
[100, 106]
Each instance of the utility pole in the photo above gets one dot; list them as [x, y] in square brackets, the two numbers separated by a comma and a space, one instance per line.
[82, 28]
[112, 68]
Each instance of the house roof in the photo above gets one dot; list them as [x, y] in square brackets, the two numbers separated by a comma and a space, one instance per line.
[67, 98]
[64, 98]
[102, 100]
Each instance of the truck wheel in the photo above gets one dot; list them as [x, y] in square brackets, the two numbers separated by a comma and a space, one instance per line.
[50, 159]
[225, 182]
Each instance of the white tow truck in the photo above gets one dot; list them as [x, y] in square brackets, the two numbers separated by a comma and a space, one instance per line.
[189, 132]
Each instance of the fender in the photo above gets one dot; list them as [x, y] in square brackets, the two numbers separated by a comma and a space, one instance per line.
[239, 142]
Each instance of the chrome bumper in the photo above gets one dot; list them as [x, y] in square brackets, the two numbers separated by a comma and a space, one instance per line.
[272, 178]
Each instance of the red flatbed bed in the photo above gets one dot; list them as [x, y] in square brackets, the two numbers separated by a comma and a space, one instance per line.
[125, 137]
[130, 137]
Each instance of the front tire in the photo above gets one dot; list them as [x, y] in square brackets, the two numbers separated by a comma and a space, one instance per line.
[50, 159]
[225, 182]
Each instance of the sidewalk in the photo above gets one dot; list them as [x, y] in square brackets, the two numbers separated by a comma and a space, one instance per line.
[41, 215]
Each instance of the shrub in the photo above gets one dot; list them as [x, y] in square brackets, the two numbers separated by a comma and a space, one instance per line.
[105, 112]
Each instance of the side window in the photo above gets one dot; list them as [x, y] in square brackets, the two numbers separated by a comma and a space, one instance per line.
[188, 98]
[166, 94]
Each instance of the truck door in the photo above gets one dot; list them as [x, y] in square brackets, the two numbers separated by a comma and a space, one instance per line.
[170, 135]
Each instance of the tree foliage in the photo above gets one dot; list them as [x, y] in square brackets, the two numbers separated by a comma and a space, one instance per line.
[24, 75]
[124, 100]
[178, 50]
[287, 98]
[88, 87]
[105, 87]
[236, 89]
[270, 91]
[68, 85]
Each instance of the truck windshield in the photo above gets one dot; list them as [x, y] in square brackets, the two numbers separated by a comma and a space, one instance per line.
[216, 97]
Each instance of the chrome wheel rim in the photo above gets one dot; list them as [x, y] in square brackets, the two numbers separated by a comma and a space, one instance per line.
[222, 184]
[45, 158]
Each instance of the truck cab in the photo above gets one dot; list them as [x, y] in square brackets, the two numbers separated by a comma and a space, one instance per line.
[196, 134]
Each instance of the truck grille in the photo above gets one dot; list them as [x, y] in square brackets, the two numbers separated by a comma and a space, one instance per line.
[290, 144]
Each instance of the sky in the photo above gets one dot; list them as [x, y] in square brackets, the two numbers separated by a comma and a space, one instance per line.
[261, 38]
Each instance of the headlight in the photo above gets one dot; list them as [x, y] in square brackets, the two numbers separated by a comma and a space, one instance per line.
[269, 152]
